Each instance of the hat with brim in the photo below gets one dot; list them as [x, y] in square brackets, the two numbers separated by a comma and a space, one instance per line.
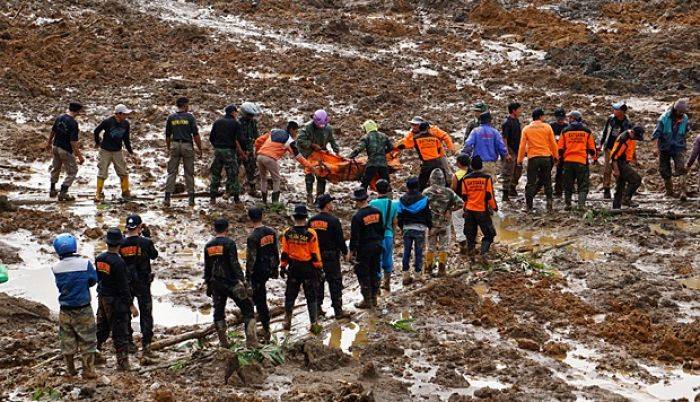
[417, 120]
[360, 194]
[300, 211]
[114, 237]
[323, 200]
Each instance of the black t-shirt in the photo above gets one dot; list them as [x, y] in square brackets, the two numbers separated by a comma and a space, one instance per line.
[329, 231]
[511, 133]
[137, 252]
[65, 130]
[262, 254]
[181, 126]
[558, 127]
[221, 262]
[116, 133]
[112, 277]
[225, 132]
[366, 227]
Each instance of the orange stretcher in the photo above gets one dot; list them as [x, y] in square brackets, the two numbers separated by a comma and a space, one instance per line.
[336, 168]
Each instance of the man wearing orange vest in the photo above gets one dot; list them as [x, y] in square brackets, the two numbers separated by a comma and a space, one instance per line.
[575, 144]
[476, 189]
[623, 155]
[430, 143]
[539, 145]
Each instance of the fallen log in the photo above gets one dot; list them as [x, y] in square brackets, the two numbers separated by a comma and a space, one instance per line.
[649, 213]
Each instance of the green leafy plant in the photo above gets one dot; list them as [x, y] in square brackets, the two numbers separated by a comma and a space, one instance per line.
[404, 325]
[178, 365]
[48, 392]
[273, 351]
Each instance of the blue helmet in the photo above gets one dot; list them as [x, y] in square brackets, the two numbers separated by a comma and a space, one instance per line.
[65, 244]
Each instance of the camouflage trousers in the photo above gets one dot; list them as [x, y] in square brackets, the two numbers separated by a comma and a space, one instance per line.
[77, 331]
[224, 159]
[251, 168]
[439, 238]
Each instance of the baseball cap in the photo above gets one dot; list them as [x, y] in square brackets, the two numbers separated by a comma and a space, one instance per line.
[383, 186]
[120, 108]
[417, 120]
[620, 106]
[480, 106]
[323, 200]
[132, 221]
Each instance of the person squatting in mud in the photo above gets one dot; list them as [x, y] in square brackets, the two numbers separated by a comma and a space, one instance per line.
[180, 133]
[270, 148]
[65, 149]
[224, 280]
[476, 189]
[316, 135]
[430, 144]
[331, 242]
[366, 236]
[616, 124]
[262, 263]
[623, 156]
[137, 251]
[226, 137]
[77, 333]
[115, 302]
[300, 263]
[116, 132]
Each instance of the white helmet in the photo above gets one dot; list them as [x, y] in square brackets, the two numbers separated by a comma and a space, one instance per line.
[251, 108]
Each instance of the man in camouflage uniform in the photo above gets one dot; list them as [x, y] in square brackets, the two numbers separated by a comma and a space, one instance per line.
[315, 136]
[226, 138]
[249, 125]
[442, 202]
[478, 108]
[377, 145]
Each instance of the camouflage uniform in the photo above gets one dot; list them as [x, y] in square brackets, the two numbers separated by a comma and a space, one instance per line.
[442, 202]
[251, 133]
[376, 144]
[228, 160]
[77, 331]
[311, 134]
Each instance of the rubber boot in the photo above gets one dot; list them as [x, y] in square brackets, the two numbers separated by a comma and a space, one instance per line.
[64, 196]
[606, 194]
[505, 196]
[52, 190]
[166, 200]
[567, 202]
[617, 201]
[126, 193]
[374, 300]
[463, 247]
[287, 325]
[251, 336]
[147, 352]
[582, 200]
[668, 185]
[366, 302]
[407, 280]
[320, 188]
[99, 191]
[123, 361]
[237, 199]
[212, 199]
[89, 366]
[309, 193]
[222, 334]
[99, 357]
[266, 335]
[252, 192]
[340, 313]
[428, 264]
[275, 197]
[191, 199]
[550, 205]
[70, 365]
[131, 348]
[485, 246]
[386, 282]
[513, 192]
[528, 203]
[264, 197]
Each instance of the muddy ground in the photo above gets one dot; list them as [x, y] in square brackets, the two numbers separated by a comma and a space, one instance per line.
[611, 316]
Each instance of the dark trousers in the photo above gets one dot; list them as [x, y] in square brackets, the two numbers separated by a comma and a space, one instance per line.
[368, 266]
[320, 187]
[224, 159]
[302, 275]
[627, 183]
[413, 239]
[334, 277]
[539, 174]
[665, 159]
[558, 178]
[474, 220]
[371, 172]
[142, 294]
[260, 300]
[251, 168]
[426, 168]
[220, 295]
[113, 318]
[576, 175]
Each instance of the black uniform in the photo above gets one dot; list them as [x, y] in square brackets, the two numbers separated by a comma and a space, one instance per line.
[181, 126]
[332, 244]
[366, 236]
[116, 133]
[224, 279]
[65, 129]
[114, 300]
[262, 263]
[137, 252]
[558, 176]
[628, 180]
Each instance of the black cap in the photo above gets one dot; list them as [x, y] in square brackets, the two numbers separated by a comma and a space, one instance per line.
[114, 237]
[230, 109]
[537, 113]
[485, 118]
[255, 214]
[559, 113]
[323, 200]
[132, 221]
[75, 107]
[412, 183]
[220, 225]
[180, 102]
[476, 163]
[383, 186]
[360, 194]
[300, 211]
[424, 126]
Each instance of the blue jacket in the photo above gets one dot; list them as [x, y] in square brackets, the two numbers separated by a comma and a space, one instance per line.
[74, 277]
[486, 142]
[384, 204]
[414, 208]
[671, 137]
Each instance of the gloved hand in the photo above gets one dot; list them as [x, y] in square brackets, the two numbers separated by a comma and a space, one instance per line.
[275, 273]
[239, 291]
[208, 290]
[283, 272]
[145, 231]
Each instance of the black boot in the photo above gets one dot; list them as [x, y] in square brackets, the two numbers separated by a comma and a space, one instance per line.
[264, 198]
[221, 333]
[191, 197]
[485, 247]
[366, 302]
[606, 194]
[166, 200]
[505, 195]
[64, 196]
[52, 190]
[212, 199]
[582, 200]
[275, 197]
[528, 203]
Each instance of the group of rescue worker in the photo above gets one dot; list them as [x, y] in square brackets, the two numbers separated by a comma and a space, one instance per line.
[308, 254]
